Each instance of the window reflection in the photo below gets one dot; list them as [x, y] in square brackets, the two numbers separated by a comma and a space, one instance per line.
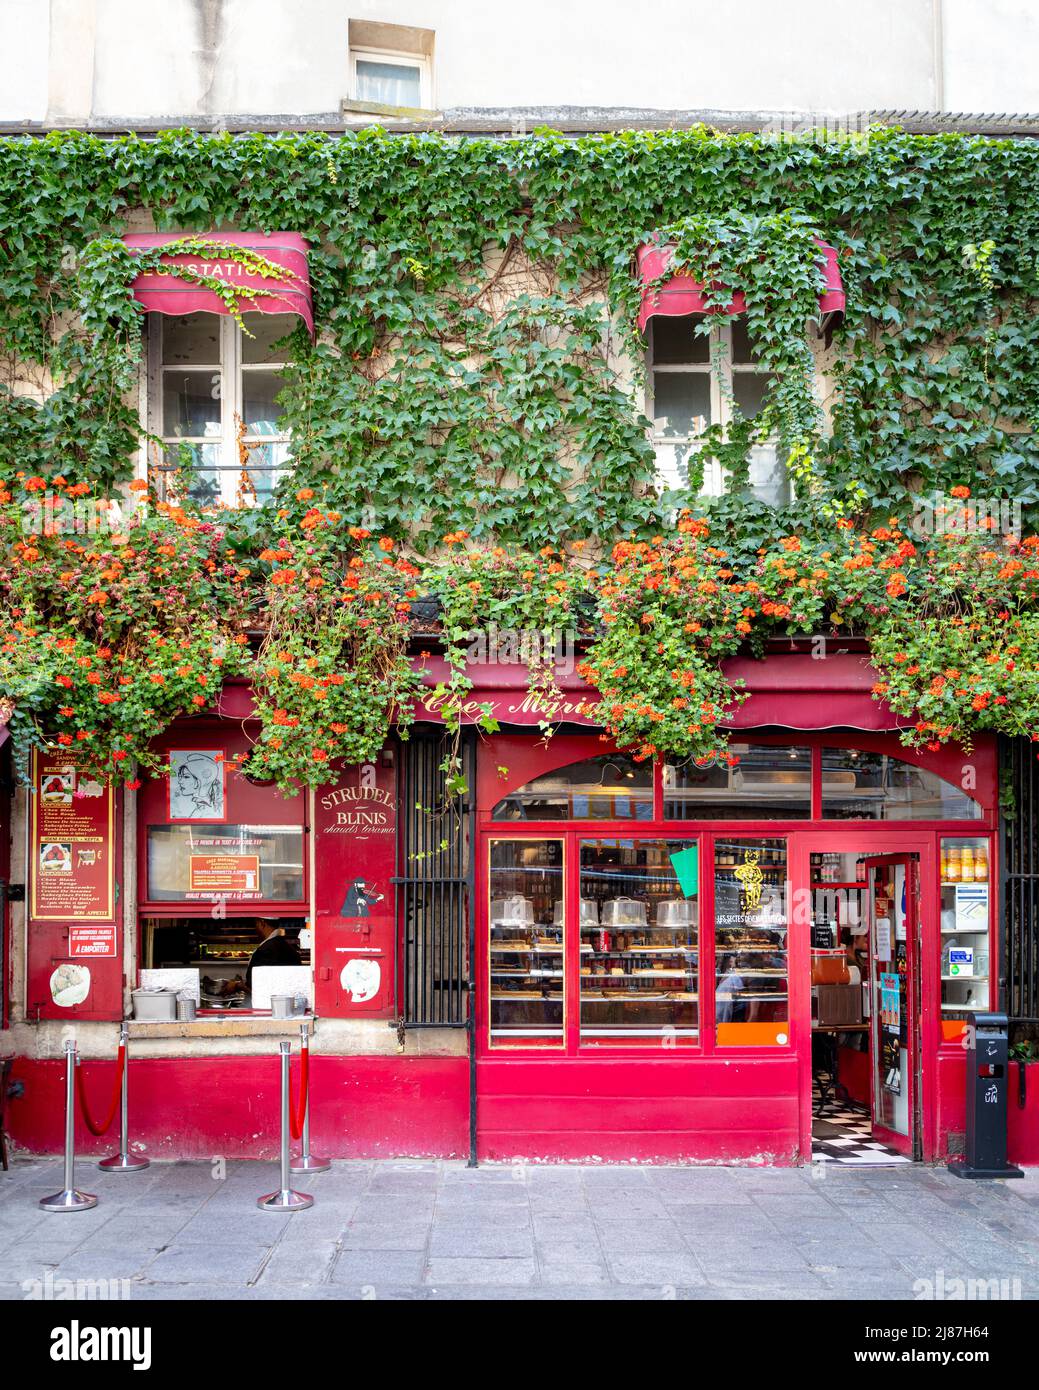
[765, 782]
[612, 787]
[863, 785]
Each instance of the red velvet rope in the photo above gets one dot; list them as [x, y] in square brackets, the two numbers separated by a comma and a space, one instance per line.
[298, 1113]
[81, 1092]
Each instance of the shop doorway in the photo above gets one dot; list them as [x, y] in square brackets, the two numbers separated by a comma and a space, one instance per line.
[866, 1096]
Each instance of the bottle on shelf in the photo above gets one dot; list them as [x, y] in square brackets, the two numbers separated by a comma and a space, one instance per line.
[967, 864]
[952, 867]
[943, 866]
[981, 864]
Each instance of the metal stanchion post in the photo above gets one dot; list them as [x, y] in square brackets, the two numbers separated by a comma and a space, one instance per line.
[68, 1199]
[124, 1161]
[285, 1199]
[307, 1162]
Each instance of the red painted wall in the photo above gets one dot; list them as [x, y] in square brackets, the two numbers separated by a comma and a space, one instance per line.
[1023, 1124]
[705, 1111]
[207, 1107]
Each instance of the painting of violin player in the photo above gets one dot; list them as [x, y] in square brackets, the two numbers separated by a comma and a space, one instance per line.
[359, 899]
[196, 785]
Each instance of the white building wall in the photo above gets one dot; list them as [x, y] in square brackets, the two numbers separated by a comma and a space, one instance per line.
[70, 61]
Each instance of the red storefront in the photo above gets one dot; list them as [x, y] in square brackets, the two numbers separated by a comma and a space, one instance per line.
[647, 943]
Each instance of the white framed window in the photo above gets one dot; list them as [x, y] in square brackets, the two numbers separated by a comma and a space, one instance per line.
[386, 77]
[206, 379]
[695, 380]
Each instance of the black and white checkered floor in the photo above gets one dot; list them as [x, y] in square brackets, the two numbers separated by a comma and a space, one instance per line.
[842, 1132]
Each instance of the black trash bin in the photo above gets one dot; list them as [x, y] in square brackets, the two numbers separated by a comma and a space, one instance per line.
[987, 1064]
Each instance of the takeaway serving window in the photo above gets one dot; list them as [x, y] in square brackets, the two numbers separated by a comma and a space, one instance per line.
[213, 401]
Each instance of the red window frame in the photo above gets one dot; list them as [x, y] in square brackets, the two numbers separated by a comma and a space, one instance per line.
[524, 758]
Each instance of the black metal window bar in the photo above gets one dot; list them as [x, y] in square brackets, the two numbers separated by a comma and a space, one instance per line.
[1019, 880]
[434, 888]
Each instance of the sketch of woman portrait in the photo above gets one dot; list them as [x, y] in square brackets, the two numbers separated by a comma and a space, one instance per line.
[196, 786]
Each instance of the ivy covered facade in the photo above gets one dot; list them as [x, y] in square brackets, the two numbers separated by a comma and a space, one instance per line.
[478, 438]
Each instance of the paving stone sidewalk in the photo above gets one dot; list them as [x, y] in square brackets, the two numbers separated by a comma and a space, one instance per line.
[397, 1230]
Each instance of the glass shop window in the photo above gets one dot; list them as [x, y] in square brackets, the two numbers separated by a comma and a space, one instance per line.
[750, 943]
[766, 783]
[859, 785]
[639, 968]
[699, 379]
[527, 954]
[225, 863]
[965, 919]
[213, 393]
[613, 787]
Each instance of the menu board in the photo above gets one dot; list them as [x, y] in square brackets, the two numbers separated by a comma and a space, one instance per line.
[72, 843]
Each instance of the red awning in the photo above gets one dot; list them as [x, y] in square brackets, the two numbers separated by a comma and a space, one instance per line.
[787, 691]
[170, 294]
[682, 295]
[796, 691]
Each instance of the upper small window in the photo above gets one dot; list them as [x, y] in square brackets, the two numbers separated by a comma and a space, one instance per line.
[871, 786]
[613, 787]
[391, 64]
[387, 80]
[212, 391]
[696, 380]
[766, 782]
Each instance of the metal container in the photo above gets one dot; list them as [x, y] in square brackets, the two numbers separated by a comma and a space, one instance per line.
[186, 1010]
[281, 1005]
[155, 1005]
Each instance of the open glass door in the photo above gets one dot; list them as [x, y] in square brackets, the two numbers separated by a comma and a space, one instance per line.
[894, 999]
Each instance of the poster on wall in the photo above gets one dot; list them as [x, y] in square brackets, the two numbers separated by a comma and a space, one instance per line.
[72, 843]
[224, 873]
[196, 784]
[972, 907]
[91, 941]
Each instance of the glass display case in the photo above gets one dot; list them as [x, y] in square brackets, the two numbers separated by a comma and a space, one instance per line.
[527, 954]
[750, 913]
[965, 875]
[639, 942]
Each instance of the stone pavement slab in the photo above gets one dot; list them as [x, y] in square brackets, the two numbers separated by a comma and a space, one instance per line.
[441, 1231]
